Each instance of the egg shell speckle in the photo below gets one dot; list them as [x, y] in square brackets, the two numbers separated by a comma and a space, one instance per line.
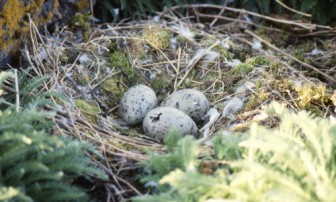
[161, 120]
[136, 103]
[191, 101]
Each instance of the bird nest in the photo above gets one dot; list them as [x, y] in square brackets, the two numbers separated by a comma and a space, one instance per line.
[239, 65]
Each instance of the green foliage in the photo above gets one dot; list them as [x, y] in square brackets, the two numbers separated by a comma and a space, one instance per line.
[229, 151]
[293, 162]
[296, 160]
[182, 154]
[35, 165]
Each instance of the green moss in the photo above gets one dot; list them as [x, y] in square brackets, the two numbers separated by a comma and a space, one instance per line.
[301, 49]
[157, 37]
[159, 84]
[243, 68]
[241, 52]
[113, 88]
[81, 21]
[118, 59]
[259, 61]
[90, 110]
[224, 53]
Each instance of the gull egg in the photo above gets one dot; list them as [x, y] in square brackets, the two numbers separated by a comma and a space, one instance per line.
[136, 103]
[192, 102]
[161, 120]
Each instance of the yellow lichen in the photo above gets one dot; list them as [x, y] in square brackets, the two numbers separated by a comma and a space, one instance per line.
[310, 93]
[333, 98]
[11, 21]
[90, 110]
[14, 24]
[282, 85]
[156, 37]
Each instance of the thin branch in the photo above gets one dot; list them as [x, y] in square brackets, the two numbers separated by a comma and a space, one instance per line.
[293, 10]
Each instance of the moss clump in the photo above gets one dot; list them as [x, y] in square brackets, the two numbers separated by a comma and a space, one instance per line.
[243, 68]
[259, 61]
[90, 110]
[113, 88]
[159, 84]
[301, 49]
[81, 21]
[118, 59]
[257, 99]
[282, 85]
[157, 37]
[310, 93]
[223, 52]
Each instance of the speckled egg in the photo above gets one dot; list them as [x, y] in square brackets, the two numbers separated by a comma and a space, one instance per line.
[162, 119]
[192, 102]
[136, 103]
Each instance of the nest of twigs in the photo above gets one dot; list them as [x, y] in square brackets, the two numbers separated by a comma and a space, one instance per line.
[240, 60]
